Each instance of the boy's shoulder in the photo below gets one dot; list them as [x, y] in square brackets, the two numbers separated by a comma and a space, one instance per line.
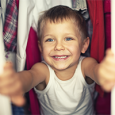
[40, 66]
[87, 65]
[88, 61]
[42, 70]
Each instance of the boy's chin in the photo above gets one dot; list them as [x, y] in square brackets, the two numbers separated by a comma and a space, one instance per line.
[60, 68]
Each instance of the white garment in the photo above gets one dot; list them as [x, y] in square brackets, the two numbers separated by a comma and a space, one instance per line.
[71, 97]
[4, 100]
[3, 5]
[28, 17]
[2, 51]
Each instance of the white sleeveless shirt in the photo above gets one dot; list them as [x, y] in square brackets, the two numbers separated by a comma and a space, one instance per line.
[71, 97]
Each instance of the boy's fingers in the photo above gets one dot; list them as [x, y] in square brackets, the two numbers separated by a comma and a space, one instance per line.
[8, 65]
[109, 52]
[12, 89]
[108, 86]
[18, 100]
[10, 86]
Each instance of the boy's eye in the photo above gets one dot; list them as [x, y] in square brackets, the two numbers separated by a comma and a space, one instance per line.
[49, 40]
[68, 39]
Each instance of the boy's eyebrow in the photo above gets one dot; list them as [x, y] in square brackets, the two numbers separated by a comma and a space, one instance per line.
[47, 35]
[71, 34]
[65, 34]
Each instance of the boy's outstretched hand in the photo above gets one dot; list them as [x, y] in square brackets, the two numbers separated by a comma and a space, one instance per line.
[10, 85]
[106, 73]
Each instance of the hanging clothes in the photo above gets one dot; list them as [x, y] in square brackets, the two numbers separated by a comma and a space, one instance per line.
[107, 16]
[1, 37]
[95, 8]
[103, 104]
[4, 101]
[81, 5]
[96, 11]
[27, 12]
[3, 5]
[10, 26]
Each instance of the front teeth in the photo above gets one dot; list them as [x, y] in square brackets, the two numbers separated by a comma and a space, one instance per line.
[61, 57]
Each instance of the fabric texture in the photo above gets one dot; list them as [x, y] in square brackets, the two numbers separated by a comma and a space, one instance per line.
[59, 97]
[17, 110]
[103, 104]
[101, 33]
[10, 26]
[97, 51]
[3, 4]
[80, 5]
[107, 16]
[33, 56]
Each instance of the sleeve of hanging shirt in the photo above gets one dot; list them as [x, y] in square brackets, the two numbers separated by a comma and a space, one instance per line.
[24, 23]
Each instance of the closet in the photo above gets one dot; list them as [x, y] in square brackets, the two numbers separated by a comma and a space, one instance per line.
[23, 51]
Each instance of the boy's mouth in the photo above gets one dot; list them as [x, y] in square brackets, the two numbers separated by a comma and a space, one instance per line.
[62, 57]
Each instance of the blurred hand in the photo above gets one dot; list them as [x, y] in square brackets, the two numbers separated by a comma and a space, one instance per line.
[106, 73]
[10, 85]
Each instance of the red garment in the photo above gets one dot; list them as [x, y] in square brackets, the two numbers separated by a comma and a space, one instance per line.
[95, 8]
[17, 2]
[98, 46]
[33, 56]
[107, 14]
[103, 104]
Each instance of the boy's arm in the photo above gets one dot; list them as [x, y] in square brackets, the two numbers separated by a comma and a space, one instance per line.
[102, 73]
[90, 68]
[31, 78]
[15, 84]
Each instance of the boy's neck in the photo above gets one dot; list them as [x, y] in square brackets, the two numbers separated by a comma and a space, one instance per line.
[65, 74]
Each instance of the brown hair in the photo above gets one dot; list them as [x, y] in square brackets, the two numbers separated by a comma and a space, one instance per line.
[58, 14]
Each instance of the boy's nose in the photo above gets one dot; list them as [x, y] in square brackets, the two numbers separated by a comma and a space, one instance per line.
[59, 46]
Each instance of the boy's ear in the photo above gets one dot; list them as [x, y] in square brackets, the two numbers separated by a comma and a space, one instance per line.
[85, 45]
[39, 46]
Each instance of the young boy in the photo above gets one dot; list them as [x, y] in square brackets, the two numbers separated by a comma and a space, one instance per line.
[60, 80]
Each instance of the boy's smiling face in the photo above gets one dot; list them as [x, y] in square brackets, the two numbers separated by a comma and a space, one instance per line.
[61, 44]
